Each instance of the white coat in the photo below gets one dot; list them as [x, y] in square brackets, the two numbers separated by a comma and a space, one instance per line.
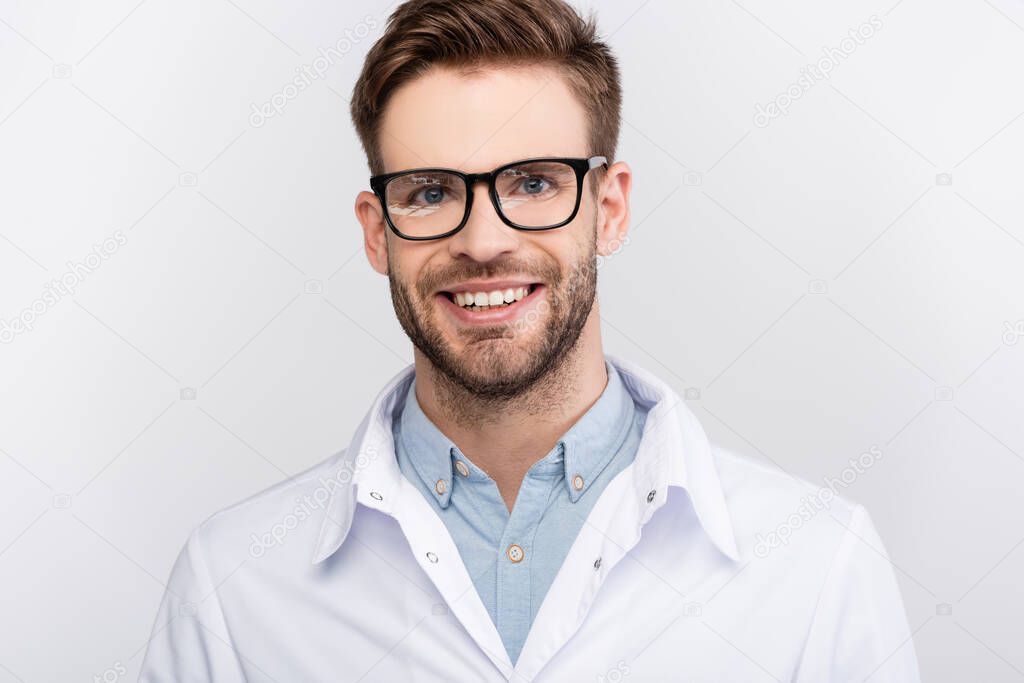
[694, 565]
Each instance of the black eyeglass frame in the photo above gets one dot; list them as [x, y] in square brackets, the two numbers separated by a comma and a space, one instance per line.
[581, 166]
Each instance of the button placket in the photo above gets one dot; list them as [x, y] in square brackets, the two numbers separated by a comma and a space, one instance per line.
[513, 572]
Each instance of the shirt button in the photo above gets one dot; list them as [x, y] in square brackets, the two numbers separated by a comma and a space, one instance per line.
[597, 563]
[515, 553]
[440, 487]
[577, 482]
[462, 468]
[650, 496]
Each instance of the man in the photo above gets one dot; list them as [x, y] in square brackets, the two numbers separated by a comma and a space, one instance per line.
[516, 504]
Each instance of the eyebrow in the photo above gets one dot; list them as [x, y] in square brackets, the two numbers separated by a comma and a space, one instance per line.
[546, 155]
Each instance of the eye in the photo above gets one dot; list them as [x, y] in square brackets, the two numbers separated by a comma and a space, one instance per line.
[434, 194]
[535, 181]
[428, 190]
[535, 184]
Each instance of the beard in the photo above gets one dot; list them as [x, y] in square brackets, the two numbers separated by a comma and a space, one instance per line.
[501, 362]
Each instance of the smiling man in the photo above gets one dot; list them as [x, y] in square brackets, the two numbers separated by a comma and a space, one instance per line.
[517, 504]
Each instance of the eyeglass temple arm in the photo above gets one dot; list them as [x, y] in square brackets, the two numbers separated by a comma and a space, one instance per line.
[597, 161]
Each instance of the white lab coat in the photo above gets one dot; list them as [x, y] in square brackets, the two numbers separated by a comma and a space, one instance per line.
[694, 565]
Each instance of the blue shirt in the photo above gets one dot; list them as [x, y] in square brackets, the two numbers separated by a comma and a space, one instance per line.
[513, 557]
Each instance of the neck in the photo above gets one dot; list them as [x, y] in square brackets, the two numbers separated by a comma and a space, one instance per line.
[505, 438]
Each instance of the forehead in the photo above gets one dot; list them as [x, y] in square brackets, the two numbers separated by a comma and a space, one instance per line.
[479, 120]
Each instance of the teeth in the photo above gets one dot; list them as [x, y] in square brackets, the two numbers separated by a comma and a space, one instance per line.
[481, 301]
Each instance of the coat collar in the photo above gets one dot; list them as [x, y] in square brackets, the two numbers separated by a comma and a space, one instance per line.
[681, 459]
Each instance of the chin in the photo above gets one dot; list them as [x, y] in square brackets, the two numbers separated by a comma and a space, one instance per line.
[496, 362]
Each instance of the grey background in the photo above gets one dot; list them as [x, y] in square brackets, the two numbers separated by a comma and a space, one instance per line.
[847, 276]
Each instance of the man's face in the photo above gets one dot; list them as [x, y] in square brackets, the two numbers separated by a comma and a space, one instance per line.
[475, 123]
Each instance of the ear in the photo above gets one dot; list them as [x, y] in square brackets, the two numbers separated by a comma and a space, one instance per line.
[613, 209]
[371, 217]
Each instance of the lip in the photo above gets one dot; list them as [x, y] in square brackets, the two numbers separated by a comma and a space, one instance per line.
[486, 285]
[508, 314]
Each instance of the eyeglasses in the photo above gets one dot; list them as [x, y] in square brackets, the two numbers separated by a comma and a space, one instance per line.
[532, 194]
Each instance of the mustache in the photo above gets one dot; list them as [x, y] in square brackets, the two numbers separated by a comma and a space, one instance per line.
[533, 269]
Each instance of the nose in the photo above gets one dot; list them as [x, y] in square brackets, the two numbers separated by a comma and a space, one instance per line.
[484, 237]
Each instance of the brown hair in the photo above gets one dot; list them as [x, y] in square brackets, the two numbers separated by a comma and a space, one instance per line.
[469, 34]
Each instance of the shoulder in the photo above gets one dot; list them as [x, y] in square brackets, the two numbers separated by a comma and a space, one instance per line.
[818, 554]
[289, 511]
[771, 508]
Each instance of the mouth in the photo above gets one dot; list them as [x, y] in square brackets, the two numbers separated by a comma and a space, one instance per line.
[486, 305]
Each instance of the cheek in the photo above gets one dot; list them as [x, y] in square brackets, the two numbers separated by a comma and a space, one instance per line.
[407, 263]
[563, 246]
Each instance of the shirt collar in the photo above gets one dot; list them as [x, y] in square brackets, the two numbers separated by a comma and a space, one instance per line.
[581, 454]
[431, 453]
[674, 453]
